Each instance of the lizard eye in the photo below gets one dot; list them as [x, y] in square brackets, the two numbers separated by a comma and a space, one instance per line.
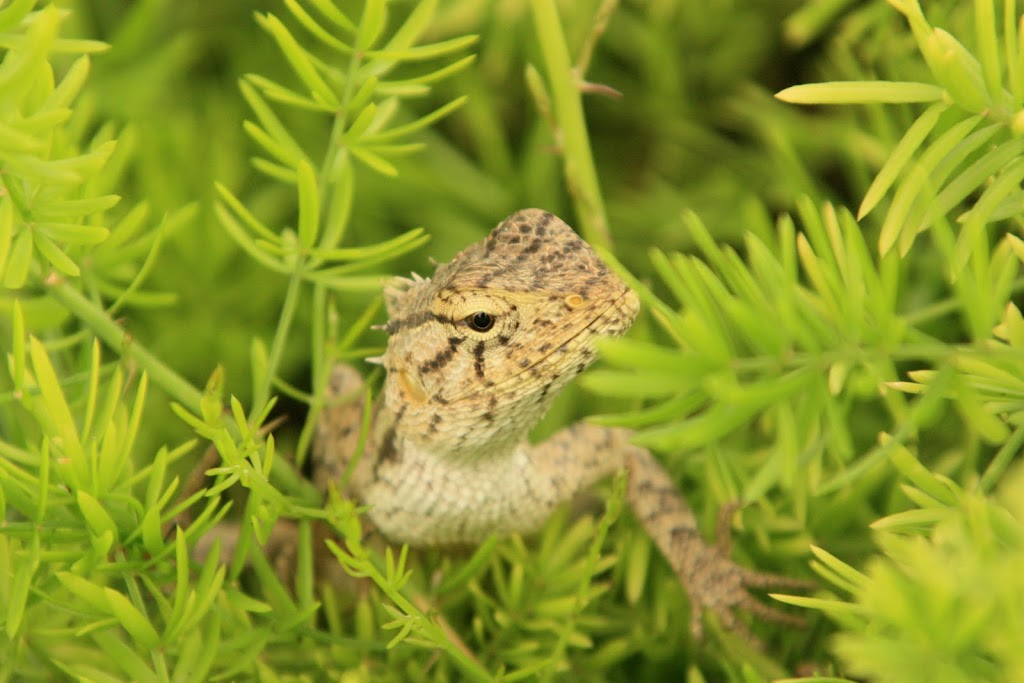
[480, 321]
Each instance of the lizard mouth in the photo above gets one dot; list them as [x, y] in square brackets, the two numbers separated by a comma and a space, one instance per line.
[626, 305]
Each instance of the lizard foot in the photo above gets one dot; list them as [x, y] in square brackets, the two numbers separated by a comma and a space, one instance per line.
[718, 585]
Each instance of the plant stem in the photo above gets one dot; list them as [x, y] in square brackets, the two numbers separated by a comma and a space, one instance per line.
[120, 340]
[580, 173]
[261, 394]
[604, 13]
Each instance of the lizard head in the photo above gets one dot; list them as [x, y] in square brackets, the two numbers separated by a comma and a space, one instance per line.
[476, 353]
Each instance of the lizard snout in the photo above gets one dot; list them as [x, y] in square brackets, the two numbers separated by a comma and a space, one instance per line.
[619, 316]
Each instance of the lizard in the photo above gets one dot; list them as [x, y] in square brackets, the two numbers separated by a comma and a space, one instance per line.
[475, 355]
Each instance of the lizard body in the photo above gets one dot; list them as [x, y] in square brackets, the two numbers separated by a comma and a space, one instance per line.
[475, 356]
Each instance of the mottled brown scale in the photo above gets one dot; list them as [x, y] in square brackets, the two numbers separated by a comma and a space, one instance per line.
[447, 460]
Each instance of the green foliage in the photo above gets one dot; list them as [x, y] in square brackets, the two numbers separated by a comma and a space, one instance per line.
[197, 205]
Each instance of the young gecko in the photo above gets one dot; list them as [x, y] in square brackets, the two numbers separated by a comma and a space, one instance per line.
[475, 356]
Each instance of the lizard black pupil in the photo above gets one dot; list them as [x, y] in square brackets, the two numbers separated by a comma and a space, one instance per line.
[481, 322]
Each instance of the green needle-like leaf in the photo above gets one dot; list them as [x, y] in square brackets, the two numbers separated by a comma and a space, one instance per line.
[299, 59]
[900, 157]
[6, 230]
[860, 92]
[14, 13]
[371, 24]
[309, 205]
[988, 48]
[417, 125]
[58, 412]
[375, 161]
[19, 590]
[424, 52]
[314, 28]
[958, 71]
[132, 619]
[331, 12]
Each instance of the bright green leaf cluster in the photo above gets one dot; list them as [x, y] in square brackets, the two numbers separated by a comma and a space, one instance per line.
[928, 181]
[942, 605]
[47, 190]
[832, 341]
[74, 523]
[58, 173]
[988, 390]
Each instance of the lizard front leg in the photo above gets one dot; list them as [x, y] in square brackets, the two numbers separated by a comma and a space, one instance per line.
[580, 455]
[337, 428]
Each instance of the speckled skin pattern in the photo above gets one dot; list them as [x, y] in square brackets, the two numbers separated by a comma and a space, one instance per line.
[474, 357]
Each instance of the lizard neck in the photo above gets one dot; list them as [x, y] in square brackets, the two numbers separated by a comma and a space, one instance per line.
[464, 430]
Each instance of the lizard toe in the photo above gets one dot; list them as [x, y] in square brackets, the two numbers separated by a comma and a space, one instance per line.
[771, 614]
[755, 579]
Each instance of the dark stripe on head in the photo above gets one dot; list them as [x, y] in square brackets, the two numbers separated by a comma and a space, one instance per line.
[478, 360]
[442, 357]
[415, 320]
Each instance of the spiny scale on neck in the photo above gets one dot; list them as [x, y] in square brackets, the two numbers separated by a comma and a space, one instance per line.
[476, 353]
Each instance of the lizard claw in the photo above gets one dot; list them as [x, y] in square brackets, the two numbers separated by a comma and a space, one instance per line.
[718, 585]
